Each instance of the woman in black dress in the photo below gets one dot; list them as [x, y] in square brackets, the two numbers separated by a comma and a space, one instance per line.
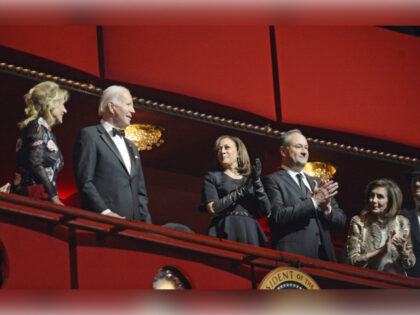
[38, 157]
[234, 195]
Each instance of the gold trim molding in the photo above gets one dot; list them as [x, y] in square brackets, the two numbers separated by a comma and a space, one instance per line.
[209, 118]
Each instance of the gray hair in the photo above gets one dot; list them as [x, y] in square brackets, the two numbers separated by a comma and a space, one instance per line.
[110, 94]
[284, 138]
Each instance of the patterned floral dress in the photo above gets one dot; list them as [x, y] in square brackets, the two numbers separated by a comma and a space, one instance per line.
[38, 161]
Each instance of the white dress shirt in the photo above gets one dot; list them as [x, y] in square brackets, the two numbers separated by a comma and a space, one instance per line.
[120, 143]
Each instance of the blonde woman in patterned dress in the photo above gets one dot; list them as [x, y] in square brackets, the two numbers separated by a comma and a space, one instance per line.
[38, 157]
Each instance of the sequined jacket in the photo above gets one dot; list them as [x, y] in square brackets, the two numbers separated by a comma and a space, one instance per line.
[38, 159]
[365, 237]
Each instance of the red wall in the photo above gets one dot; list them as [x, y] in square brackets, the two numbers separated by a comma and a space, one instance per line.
[229, 65]
[361, 80]
[74, 45]
[35, 256]
[358, 79]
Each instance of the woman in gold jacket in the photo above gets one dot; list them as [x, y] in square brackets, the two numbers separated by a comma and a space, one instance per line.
[379, 238]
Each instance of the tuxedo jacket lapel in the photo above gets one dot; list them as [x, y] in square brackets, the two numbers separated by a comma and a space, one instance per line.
[132, 157]
[111, 145]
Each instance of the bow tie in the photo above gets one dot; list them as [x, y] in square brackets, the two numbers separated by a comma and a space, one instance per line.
[118, 132]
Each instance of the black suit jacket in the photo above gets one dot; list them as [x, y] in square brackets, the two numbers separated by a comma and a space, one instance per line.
[102, 178]
[296, 225]
[411, 215]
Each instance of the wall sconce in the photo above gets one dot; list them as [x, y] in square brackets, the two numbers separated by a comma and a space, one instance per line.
[144, 136]
[322, 170]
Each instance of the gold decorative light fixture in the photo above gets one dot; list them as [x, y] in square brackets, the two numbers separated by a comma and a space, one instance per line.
[322, 170]
[144, 136]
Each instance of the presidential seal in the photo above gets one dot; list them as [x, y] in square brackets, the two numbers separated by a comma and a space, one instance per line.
[284, 278]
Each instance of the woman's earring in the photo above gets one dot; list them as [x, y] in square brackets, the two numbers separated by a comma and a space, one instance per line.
[239, 162]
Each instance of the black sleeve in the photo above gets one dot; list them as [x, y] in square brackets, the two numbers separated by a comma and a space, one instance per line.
[337, 218]
[208, 192]
[84, 164]
[36, 137]
[264, 206]
[142, 194]
[282, 212]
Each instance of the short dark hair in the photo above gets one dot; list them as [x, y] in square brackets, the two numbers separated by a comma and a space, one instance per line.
[244, 164]
[284, 138]
[394, 196]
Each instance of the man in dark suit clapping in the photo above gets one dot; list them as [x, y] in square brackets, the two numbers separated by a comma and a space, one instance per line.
[303, 208]
[107, 166]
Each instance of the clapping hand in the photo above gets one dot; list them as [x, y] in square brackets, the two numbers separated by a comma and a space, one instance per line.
[256, 169]
[264, 204]
[399, 243]
[323, 192]
[389, 241]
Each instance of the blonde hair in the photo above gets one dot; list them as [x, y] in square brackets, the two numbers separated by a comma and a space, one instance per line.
[41, 100]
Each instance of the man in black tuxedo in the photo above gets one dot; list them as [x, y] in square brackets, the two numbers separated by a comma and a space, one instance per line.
[303, 208]
[107, 166]
[413, 215]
